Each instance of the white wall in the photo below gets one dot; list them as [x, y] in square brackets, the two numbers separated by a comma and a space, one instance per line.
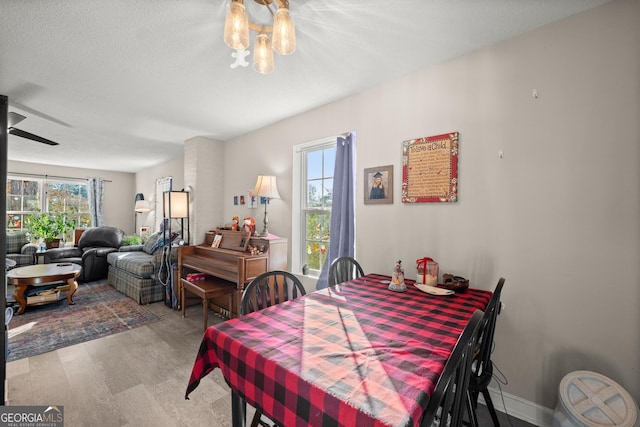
[558, 216]
[119, 194]
[145, 183]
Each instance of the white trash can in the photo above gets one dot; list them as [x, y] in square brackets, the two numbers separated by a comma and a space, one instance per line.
[589, 399]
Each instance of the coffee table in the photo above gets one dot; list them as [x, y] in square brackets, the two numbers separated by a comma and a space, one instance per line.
[43, 275]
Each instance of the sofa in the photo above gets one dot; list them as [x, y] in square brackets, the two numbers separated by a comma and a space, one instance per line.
[20, 249]
[139, 271]
[90, 253]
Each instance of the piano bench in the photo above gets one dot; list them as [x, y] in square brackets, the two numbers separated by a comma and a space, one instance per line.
[208, 289]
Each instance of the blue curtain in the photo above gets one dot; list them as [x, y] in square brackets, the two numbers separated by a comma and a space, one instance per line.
[95, 194]
[342, 235]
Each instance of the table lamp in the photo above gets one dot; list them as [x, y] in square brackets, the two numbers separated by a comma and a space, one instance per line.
[266, 187]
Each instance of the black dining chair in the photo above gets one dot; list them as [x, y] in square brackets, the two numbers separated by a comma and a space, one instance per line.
[450, 399]
[270, 288]
[344, 269]
[482, 367]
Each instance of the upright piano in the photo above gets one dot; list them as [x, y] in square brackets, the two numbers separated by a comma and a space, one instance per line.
[227, 270]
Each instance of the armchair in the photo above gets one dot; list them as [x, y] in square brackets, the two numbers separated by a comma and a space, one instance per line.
[91, 253]
[20, 249]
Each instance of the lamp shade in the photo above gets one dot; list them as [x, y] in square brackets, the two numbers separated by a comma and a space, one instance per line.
[142, 206]
[176, 204]
[266, 187]
[263, 54]
[284, 33]
[236, 26]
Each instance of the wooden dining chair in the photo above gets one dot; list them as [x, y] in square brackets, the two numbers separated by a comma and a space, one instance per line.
[270, 288]
[344, 269]
[482, 367]
[450, 399]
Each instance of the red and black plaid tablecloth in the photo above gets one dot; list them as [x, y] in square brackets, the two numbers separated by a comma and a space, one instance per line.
[353, 355]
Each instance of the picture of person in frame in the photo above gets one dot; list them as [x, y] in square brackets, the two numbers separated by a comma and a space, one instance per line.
[377, 189]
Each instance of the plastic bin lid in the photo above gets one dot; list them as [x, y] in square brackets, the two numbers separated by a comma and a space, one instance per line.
[595, 400]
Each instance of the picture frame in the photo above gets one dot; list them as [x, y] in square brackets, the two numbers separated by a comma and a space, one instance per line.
[378, 185]
[252, 200]
[430, 169]
[217, 239]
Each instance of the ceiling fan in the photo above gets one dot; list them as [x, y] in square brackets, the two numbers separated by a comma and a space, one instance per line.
[15, 118]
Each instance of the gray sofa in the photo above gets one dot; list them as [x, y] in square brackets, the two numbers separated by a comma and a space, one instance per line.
[135, 270]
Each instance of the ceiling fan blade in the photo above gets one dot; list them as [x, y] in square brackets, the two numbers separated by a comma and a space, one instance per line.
[14, 118]
[27, 135]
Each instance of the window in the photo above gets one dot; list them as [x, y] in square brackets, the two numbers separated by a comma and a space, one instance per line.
[28, 195]
[70, 198]
[313, 185]
[23, 197]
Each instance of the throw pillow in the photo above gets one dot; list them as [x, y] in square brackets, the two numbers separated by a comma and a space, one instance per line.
[152, 243]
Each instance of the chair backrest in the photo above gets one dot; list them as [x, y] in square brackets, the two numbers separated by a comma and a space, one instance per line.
[449, 398]
[487, 329]
[15, 241]
[270, 288]
[101, 237]
[343, 269]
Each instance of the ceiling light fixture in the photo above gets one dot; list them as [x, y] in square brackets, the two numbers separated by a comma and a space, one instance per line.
[237, 26]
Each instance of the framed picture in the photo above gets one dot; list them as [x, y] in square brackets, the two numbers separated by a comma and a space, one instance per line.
[252, 200]
[430, 169]
[378, 185]
[216, 241]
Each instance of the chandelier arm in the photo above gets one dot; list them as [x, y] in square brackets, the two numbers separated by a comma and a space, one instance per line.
[260, 28]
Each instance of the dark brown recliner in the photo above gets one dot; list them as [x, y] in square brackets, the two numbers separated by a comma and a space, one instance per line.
[91, 253]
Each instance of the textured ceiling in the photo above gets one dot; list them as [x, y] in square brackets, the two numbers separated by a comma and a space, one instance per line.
[122, 84]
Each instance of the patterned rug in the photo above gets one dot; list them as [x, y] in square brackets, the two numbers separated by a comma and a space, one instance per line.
[99, 311]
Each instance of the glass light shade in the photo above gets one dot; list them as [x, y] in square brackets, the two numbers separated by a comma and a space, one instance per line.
[284, 32]
[142, 206]
[263, 54]
[176, 204]
[266, 187]
[236, 26]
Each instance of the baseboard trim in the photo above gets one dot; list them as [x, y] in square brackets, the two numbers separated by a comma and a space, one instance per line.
[520, 408]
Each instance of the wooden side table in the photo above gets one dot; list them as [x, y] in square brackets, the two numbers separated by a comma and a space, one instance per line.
[37, 255]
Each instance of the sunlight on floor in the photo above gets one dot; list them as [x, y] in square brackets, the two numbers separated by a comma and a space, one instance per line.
[14, 332]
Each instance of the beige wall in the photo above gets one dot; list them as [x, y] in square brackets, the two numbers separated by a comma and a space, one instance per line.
[145, 183]
[119, 194]
[558, 216]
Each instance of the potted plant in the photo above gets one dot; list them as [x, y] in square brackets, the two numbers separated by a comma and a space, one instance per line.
[131, 240]
[48, 227]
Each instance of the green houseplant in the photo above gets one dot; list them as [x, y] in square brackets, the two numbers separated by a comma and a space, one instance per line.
[132, 240]
[48, 227]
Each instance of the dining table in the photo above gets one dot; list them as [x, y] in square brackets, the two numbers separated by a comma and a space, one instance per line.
[354, 354]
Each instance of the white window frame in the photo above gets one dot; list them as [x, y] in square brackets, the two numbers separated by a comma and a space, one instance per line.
[44, 194]
[298, 235]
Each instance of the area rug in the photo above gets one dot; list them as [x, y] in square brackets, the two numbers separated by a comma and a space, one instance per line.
[99, 311]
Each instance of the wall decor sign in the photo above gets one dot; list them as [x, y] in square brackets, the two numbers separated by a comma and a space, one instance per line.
[430, 169]
[378, 185]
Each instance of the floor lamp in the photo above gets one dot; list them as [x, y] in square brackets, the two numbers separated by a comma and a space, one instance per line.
[266, 187]
[141, 205]
[176, 206]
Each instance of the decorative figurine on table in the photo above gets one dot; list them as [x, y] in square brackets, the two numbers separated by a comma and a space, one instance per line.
[397, 279]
